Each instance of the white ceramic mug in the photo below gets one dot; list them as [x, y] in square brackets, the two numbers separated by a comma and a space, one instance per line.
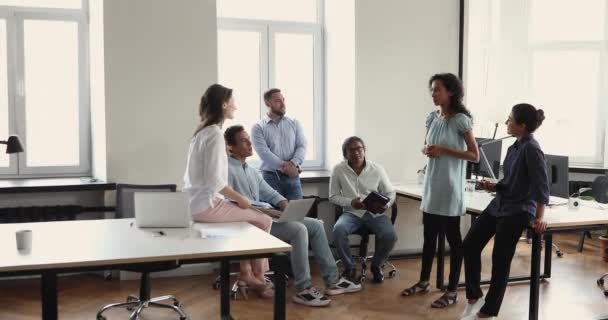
[24, 239]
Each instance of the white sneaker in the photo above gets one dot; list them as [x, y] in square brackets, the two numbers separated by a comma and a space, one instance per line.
[470, 311]
[311, 297]
[343, 285]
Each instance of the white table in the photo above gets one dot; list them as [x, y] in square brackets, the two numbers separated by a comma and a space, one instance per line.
[69, 246]
[559, 218]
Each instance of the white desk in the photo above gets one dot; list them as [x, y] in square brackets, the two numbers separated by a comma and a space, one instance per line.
[70, 246]
[558, 218]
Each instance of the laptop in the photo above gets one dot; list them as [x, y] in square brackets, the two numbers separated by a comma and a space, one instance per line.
[161, 209]
[296, 210]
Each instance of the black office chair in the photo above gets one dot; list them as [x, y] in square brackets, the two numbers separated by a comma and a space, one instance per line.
[363, 257]
[124, 209]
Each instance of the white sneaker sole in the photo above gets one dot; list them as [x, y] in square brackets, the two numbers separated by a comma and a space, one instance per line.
[335, 292]
[311, 303]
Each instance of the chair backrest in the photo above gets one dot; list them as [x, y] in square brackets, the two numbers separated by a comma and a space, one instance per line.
[394, 212]
[124, 196]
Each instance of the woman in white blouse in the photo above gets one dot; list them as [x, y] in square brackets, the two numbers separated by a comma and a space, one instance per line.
[206, 180]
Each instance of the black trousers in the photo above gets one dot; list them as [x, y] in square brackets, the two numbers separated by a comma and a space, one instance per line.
[433, 224]
[506, 232]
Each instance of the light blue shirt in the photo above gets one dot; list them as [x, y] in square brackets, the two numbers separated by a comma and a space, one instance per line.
[443, 191]
[249, 182]
[277, 142]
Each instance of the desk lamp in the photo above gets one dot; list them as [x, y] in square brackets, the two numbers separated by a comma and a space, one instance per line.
[13, 145]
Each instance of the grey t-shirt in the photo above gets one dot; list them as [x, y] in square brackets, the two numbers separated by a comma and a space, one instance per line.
[443, 191]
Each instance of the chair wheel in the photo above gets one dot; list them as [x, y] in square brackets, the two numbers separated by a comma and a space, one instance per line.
[392, 273]
[100, 317]
[183, 318]
[600, 282]
[362, 279]
[560, 254]
[605, 293]
[216, 285]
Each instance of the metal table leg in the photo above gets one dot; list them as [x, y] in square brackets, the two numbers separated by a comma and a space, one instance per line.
[49, 295]
[279, 286]
[535, 277]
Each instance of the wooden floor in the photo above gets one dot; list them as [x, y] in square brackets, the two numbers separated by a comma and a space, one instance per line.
[570, 294]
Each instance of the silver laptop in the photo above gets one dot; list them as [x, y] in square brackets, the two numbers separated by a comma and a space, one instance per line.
[161, 209]
[296, 210]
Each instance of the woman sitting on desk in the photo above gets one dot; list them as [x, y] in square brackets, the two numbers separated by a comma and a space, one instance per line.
[206, 180]
[520, 200]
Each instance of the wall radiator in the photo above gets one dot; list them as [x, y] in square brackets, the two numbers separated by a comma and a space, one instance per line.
[46, 213]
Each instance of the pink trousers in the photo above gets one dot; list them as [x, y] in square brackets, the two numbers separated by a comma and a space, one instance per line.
[226, 211]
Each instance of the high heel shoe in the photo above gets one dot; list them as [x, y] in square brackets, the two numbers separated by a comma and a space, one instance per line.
[264, 291]
[240, 288]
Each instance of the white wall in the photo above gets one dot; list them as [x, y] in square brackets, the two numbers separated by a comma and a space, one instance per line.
[160, 56]
[399, 45]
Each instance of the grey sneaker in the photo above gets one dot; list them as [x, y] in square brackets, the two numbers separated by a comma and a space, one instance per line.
[343, 285]
[311, 297]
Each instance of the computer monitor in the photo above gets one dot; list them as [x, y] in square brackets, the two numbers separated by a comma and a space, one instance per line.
[493, 152]
[557, 172]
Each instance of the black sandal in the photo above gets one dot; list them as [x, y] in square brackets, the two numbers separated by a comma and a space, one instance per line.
[415, 289]
[446, 300]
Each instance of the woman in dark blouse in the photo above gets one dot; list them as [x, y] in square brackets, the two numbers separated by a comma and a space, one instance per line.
[520, 201]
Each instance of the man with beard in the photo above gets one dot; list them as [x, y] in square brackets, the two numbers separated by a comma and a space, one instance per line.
[280, 142]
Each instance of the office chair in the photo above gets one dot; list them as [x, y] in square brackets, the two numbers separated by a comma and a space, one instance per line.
[125, 209]
[528, 239]
[362, 257]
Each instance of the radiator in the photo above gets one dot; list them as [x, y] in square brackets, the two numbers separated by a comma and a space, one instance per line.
[45, 213]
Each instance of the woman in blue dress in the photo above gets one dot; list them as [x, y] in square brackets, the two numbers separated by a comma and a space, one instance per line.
[449, 144]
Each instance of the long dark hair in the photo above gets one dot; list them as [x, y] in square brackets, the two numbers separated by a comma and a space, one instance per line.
[453, 85]
[211, 108]
[524, 113]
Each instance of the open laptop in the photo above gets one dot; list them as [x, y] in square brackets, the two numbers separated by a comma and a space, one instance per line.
[161, 209]
[296, 210]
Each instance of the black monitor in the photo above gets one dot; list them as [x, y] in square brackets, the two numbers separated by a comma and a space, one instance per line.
[557, 172]
[493, 152]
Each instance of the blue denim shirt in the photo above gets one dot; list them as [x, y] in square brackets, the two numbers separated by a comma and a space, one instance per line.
[249, 182]
[525, 180]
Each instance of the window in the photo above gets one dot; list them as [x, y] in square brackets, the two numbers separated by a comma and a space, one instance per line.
[550, 53]
[275, 43]
[44, 87]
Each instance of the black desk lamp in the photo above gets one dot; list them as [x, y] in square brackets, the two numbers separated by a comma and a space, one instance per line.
[13, 145]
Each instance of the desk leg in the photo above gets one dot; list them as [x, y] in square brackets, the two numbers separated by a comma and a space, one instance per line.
[440, 259]
[535, 277]
[225, 289]
[49, 295]
[548, 255]
[279, 286]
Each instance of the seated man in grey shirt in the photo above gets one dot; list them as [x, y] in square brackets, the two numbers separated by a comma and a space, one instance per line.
[351, 181]
[249, 182]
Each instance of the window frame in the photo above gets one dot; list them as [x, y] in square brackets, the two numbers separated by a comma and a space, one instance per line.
[599, 46]
[268, 28]
[16, 18]
[531, 47]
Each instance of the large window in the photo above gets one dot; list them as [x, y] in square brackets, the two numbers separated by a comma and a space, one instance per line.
[551, 53]
[275, 43]
[44, 87]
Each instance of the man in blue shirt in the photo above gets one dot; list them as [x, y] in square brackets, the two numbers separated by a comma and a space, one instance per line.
[280, 142]
[249, 182]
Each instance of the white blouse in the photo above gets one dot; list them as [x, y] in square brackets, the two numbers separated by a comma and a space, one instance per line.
[206, 168]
